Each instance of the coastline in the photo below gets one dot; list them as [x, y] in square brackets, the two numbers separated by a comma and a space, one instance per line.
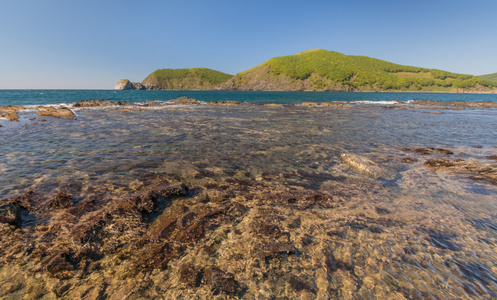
[11, 112]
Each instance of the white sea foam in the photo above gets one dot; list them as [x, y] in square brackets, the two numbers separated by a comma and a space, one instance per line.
[393, 102]
[31, 108]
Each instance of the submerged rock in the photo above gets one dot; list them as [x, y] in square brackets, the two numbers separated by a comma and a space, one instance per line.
[60, 113]
[10, 213]
[61, 200]
[409, 160]
[146, 201]
[485, 104]
[368, 167]
[487, 172]
[218, 279]
[300, 284]
[60, 265]
[430, 150]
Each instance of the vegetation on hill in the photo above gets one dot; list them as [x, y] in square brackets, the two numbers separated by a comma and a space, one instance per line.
[319, 70]
[181, 79]
[360, 72]
[489, 77]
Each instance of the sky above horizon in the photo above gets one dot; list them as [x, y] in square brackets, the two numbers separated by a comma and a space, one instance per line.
[60, 44]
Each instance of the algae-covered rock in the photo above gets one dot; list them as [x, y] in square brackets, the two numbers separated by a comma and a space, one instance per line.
[368, 167]
[479, 171]
[10, 213]
[221, 280]
[61, 200]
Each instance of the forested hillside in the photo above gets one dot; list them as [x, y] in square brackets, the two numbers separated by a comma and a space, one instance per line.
[362, 71]
[182, 79]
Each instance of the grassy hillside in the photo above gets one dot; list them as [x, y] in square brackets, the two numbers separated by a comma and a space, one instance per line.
[490, 77]
[185, 79]
[327, 70]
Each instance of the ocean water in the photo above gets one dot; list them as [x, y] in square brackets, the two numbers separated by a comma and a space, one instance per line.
[39, 97]
[423, 234]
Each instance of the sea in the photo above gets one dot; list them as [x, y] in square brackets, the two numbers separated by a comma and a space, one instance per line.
[423, 233]
[42, 97]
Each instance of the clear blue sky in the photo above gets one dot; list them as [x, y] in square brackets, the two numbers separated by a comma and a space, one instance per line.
[92, 44]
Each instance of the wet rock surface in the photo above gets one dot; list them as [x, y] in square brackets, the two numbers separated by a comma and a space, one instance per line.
[11, 108]
[229, 102]
[483, 104]
[10, 116]
[97, 103]
[60, 113]
[367, 166]
[186, 101]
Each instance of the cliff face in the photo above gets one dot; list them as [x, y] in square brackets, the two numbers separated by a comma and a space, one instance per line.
[125, 84]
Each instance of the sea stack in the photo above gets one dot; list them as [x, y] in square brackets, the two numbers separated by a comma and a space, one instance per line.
[125, 84]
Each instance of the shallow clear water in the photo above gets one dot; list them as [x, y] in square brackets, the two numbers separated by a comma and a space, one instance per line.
[426, 234]
[236, 138]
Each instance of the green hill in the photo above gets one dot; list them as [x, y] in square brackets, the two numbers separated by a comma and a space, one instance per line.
[324, 70]
[489, 77]
[185, 79]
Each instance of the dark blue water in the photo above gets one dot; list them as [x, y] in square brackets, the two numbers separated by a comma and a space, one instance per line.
[38, 97]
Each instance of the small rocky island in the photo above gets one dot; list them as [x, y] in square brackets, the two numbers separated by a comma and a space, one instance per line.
[125, 84]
